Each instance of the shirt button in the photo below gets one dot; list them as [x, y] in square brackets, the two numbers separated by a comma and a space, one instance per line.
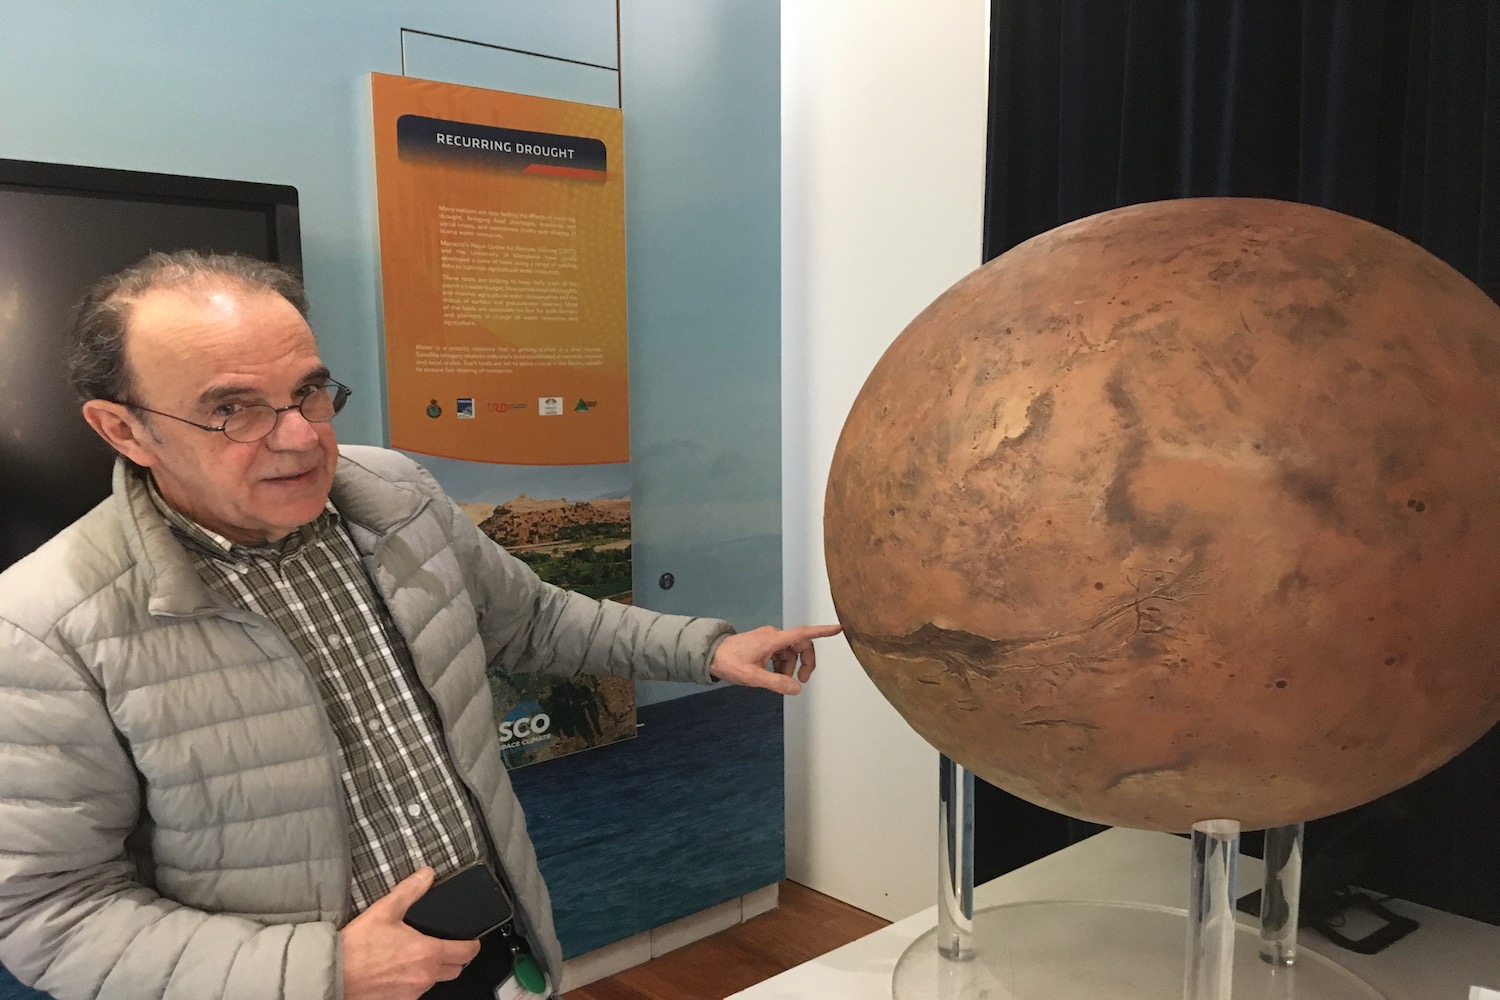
[413, 810]
[335, 641]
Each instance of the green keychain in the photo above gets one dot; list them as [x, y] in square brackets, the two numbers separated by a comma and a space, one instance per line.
[522, 966]
[527, 972]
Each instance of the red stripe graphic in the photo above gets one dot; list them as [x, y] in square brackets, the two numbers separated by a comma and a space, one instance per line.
[553, 170]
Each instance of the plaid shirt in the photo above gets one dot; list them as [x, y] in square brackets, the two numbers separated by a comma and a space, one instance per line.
[407, 807]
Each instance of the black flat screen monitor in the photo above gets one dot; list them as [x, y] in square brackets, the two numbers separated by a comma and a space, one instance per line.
[62, 227]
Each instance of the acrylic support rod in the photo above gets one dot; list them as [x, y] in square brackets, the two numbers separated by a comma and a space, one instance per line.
[955, 930]
[1210, 929]
[1281, 896]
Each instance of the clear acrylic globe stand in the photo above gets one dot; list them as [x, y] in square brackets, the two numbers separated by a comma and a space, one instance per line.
[1070, 950]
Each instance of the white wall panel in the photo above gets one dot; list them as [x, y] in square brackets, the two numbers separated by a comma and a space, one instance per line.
[883, 142]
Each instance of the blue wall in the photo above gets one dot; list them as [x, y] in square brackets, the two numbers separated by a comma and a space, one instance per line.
[277, 91]
[702, 105]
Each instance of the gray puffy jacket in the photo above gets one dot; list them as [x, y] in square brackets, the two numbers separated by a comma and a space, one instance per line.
[172, 821]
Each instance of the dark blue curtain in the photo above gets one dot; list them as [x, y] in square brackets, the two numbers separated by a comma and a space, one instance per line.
[1388, 110]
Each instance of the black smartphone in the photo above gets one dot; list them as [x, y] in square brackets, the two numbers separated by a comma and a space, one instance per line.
[462, 907]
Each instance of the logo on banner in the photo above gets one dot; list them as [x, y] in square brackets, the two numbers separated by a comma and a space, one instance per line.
[466, 407]
[526, 725]
[549, 406]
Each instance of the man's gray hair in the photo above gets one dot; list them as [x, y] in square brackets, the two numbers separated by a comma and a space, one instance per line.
[96, 364]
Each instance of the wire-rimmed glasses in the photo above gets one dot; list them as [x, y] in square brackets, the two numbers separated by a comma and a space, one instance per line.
[254, 421]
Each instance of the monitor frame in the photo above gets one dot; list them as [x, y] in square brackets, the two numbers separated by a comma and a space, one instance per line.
[279, 201]
[67, 478]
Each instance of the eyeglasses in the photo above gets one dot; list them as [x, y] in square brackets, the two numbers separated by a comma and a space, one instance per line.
[252, 422]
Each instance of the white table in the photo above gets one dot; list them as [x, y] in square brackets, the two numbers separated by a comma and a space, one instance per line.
[1439, 961]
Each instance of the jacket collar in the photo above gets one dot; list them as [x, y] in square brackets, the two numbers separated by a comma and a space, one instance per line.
[365, 499]
[371, 505]
[172, 583]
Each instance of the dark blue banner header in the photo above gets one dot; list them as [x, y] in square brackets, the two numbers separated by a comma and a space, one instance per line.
[506, 149]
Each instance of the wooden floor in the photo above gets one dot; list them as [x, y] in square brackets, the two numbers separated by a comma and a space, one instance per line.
[804, 925]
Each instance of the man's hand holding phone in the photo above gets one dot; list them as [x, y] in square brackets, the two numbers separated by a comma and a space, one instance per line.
[385, 959]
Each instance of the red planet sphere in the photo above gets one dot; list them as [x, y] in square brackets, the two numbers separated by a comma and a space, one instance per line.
[1187, 510]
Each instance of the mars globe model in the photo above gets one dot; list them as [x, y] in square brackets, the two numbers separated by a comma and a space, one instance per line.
[1187, 510]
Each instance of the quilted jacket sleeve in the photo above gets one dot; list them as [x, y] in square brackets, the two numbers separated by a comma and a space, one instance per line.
[75, 921]
[531, 626]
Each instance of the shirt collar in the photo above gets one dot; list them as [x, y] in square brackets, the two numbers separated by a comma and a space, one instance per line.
[216, 545]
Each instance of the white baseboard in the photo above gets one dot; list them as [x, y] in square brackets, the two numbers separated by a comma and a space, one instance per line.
[640, 948]
[761, 900]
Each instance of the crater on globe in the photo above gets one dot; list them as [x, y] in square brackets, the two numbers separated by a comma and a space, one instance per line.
[1186, 510]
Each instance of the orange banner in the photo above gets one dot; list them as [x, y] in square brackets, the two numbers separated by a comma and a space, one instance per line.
[502, 249]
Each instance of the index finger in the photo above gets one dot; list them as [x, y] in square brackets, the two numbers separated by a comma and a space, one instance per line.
[805, 633]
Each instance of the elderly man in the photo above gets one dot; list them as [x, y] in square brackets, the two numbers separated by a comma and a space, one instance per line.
[244, 717]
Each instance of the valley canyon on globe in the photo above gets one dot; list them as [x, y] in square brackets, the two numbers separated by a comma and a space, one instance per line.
[1186, 510]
